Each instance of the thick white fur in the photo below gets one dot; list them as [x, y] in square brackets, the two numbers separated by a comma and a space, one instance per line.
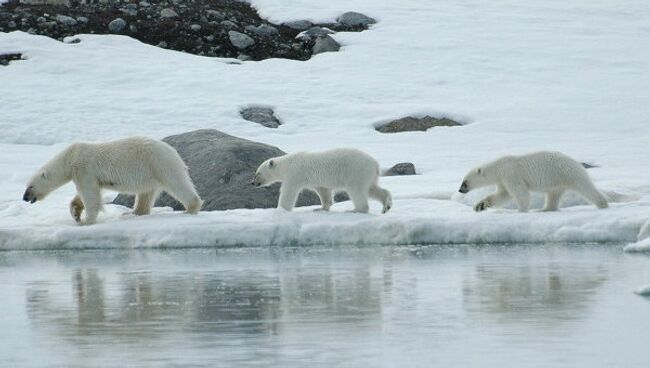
[552, 173]
[325, 172]
[135, 165]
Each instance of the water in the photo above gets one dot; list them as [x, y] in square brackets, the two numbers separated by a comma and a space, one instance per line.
[424, 306]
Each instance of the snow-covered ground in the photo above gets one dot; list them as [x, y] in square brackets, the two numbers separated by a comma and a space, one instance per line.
[643, 243]
[568, 76]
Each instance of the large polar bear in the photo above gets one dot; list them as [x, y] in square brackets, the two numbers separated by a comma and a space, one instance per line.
[345, 169]
[552, 173]
[135, 165]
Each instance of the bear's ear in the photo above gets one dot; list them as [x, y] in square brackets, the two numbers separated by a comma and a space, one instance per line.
[271, 163]
[44, 175]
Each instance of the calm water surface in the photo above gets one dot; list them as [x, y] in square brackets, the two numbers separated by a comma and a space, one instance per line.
[424, 306]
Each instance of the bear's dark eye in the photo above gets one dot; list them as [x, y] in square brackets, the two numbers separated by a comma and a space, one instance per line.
[271, 163]
[43, 175]
[479, 171]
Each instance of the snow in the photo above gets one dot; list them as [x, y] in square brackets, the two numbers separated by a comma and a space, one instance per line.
[643, 243]
[566, 76]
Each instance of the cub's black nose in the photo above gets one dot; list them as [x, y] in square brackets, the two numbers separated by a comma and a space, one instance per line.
[463, 188]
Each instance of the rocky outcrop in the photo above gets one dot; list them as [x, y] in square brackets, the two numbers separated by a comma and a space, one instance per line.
[219, 28]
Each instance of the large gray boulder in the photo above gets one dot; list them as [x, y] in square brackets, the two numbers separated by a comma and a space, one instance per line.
[222, 169]
[410, 124]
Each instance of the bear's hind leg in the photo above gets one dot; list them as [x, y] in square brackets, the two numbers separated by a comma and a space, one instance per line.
[144, 202]
[593, 195]
[76, 208]
[326, 198]
[182, 189]
[383, 196]
[552, 201]
[360, 200]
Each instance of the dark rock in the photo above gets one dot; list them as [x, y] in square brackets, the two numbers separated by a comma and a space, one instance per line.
[261, 115]
[218, 16]
[222, 169]
[5, 59]
[298, 25]
[117, 25]
[168, 13]
[325, 44]
[409, 124]
[263, 30]
[229, 25]
[315, 32]
[244, 57]
[403, 168]
[240, 40]
[587, 165]
[66, 20]
[353, 19]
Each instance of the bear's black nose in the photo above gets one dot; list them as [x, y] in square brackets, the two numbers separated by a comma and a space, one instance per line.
[463, 188]
[29, 195]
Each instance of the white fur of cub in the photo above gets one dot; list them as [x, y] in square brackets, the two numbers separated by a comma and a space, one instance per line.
[552, 173]
[135, 165]
[325, 172]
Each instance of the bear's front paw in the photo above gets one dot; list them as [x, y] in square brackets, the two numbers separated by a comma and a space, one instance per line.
[481, 206]
[75, 212]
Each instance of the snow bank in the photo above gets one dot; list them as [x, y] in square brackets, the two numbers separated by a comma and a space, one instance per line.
[413, 222]
[526, 76]
[643, 240]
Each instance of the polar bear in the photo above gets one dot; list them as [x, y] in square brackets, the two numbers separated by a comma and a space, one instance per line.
[345, 169]
[135, 165]
[552, 173]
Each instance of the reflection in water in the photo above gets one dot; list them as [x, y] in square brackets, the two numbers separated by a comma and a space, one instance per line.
[244, 302]
[547, 293]
[368, 307]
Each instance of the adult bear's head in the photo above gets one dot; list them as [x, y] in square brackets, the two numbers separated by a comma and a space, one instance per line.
[48, 178]
[38, 188]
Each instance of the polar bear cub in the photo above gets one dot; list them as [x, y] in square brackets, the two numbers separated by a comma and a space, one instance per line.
[345, 169]
[135, 165]
[552, 173]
